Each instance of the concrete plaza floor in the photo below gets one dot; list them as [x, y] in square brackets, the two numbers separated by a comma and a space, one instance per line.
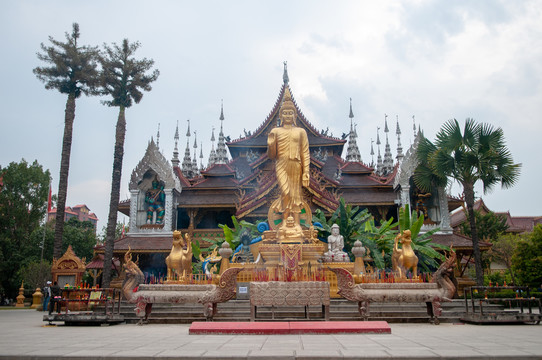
[23, 335]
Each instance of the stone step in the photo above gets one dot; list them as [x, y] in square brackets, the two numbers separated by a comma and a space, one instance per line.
[340, 310]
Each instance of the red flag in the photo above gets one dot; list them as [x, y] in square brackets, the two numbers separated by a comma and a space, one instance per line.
[123, 231]
[49, 200]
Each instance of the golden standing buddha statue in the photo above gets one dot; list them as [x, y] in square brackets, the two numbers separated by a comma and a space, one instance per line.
[288, 145]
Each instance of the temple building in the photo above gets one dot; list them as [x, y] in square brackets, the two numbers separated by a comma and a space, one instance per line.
[182, 194]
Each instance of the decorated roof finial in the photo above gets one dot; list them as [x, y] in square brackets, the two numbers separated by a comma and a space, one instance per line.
[285, 75]
[379, 169]
[221, 152]
[187, 160]
[414, 126]
[352, 152]
[388, 158]
[399, 146]
[175, 160]
[372, 153]
[195, 158]
[386, 130]
[158, 137]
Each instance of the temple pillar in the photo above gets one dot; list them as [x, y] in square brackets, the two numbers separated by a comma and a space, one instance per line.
[168, 207]
[133, 210]
[444, 213]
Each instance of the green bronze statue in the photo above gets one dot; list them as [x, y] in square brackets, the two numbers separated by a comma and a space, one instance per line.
[155, 199]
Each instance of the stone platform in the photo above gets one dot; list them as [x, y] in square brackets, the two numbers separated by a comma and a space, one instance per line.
[290, 327]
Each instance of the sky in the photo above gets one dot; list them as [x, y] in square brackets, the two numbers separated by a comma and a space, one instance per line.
[435, 60]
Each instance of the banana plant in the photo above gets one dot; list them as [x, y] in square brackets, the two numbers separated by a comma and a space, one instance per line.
[351, 221]
[379, 241]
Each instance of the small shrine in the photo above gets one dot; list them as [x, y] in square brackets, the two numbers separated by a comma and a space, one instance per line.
[69, 269]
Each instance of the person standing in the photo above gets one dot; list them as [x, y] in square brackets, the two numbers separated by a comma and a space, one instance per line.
[46, 295]
[55, 298]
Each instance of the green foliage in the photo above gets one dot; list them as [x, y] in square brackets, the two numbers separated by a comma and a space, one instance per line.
[23, 202]
[79, 234]
[351, 221]
[123, 77]
[35, 274]
[118, 232]
[232, 236]
[422, 244]
[527, 259]
[503, 249]
[72, 68]
[499, 278]
[379, 241]
[489, 226]
[478, 153]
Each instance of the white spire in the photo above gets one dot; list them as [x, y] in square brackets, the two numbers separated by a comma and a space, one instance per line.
[187, 160]
[399, 146]
[158, 137]
[352, 153]
[221, 152]
[212, 154]
[195, 158]
[175, 159]
[379, 157]
[388, 158]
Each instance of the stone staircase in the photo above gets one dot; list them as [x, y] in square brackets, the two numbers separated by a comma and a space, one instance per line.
[340, 310]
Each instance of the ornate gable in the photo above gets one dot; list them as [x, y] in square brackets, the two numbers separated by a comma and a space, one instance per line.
[154, 161]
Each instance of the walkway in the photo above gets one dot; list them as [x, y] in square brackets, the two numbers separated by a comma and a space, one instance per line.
[24, 336]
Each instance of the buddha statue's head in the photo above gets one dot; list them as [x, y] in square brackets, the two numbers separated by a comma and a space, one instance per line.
[288, 112]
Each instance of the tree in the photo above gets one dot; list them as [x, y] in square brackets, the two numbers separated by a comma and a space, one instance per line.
[123, 78]
[488, 226]
[477, 154]
[23, 202]
[73, 71]
[527, 259]
[503, 249]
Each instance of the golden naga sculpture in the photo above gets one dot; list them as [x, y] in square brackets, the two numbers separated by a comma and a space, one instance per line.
[288, 145]
[404, 258]
[179, 260]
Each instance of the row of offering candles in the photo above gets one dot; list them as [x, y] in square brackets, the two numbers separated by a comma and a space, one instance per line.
[283, 274]
[381, 276]
[82, 285]
[184, 278]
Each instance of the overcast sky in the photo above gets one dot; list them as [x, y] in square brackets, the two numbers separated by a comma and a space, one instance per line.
[436, 60]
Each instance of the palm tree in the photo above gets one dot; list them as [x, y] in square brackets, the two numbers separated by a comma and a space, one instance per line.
[479, 153]
[73, 71]
[123, 78]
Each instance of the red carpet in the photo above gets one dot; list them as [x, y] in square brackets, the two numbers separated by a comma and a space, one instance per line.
[293, 327]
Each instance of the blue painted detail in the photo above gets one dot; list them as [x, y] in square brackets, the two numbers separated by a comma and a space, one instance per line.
[318, 225]
[263, 226]
[255, 240]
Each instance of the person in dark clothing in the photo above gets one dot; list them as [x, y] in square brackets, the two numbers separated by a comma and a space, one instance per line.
[46, 296]
[55, 298]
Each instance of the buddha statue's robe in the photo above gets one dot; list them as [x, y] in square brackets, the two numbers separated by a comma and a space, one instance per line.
[289, 146]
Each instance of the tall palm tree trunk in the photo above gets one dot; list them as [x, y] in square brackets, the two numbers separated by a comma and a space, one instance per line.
[469, 199]
[115, 196]
[69, 116]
